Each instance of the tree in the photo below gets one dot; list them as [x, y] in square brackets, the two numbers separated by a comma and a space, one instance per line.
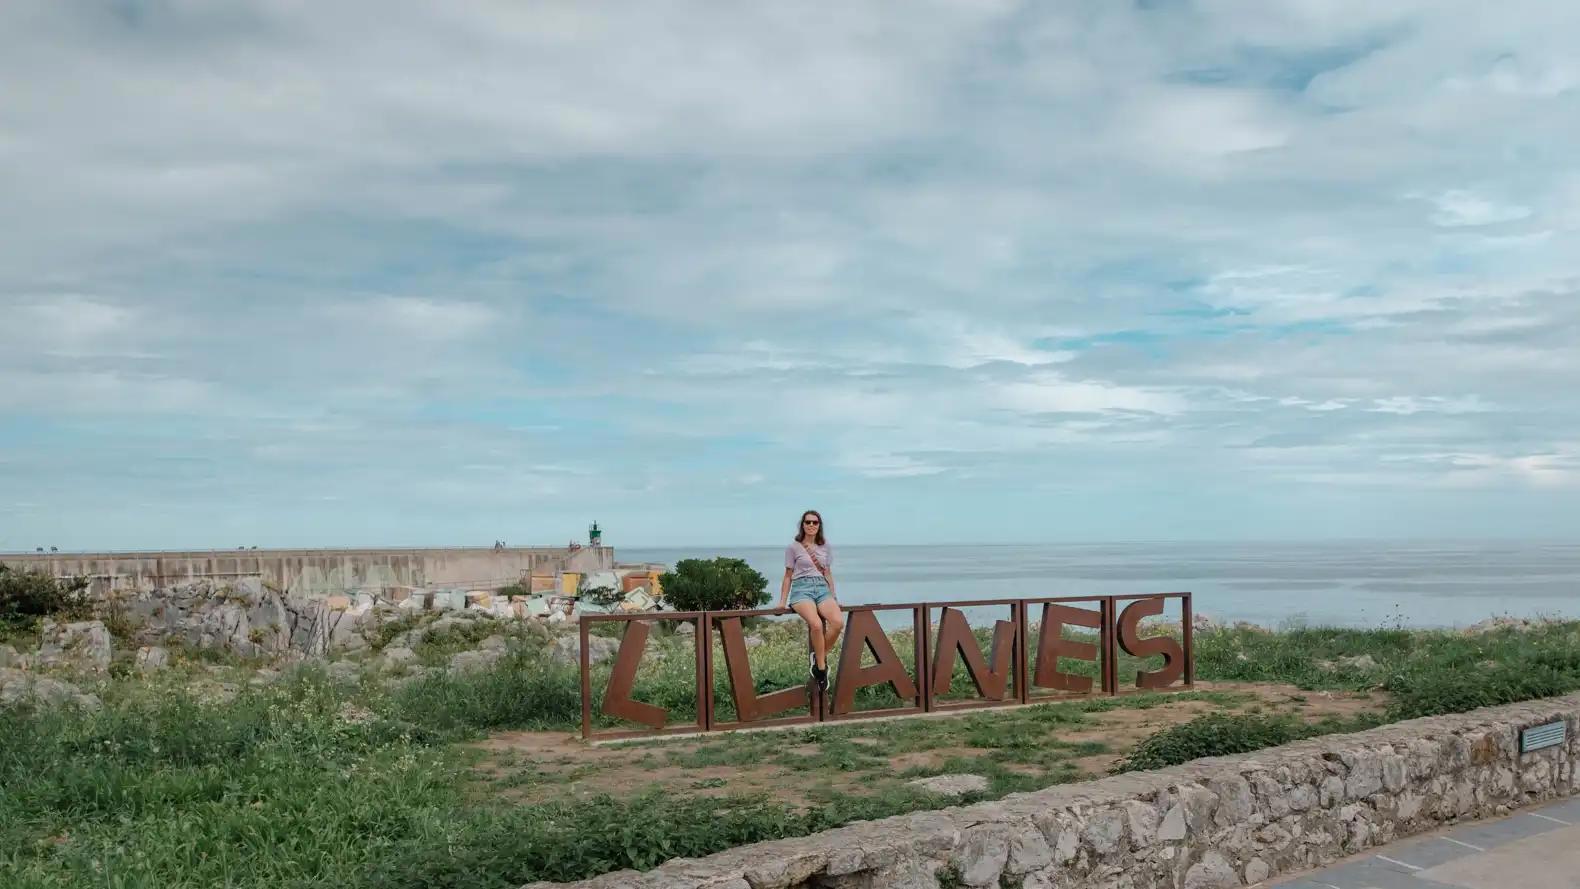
[720, 584]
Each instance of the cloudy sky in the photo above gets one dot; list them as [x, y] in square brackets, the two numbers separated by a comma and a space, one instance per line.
[291, 273]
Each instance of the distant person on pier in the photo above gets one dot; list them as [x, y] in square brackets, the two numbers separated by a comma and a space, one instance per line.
[808, 590]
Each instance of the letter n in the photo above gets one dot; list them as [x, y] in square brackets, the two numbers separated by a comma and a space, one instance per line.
[1130, 640]
[1052, 645]
[954, 634]
[617, 698]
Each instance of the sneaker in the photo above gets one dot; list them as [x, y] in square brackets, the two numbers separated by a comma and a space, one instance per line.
[821, 677]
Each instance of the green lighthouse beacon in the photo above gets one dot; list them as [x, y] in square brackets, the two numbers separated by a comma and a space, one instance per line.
[594, 535]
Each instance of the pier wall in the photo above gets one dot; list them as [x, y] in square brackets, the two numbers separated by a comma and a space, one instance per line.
[319, 572]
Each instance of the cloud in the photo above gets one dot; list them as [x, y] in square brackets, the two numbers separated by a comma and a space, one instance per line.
[459, 267]
[421, 319]
[881, 465]
[1463, 208]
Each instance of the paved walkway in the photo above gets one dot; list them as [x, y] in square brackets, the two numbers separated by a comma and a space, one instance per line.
[1535, 848]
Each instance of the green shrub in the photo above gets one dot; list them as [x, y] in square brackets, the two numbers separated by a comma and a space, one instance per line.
[720, 584]
[26, 597]
[1216, 734]
[603, 596]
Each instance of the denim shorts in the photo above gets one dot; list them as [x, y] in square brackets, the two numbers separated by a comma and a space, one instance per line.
[809, 589]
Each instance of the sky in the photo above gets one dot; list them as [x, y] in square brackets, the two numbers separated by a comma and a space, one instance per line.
[406, 273]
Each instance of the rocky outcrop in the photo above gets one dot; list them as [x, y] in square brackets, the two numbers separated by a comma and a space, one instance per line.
[252, 620]
[84, 645]
[20, 688]
[952, 785]
[567, 649]
[475, 661]
[1211, 824]
[245, 616]
[151, 659]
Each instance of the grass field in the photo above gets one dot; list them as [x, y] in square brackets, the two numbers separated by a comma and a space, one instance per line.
[197, 778]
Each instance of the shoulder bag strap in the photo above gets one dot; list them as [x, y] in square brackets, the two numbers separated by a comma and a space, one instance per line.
[815, 563]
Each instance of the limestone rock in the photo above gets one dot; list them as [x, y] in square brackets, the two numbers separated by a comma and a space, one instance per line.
[1365, 776]
[9, 658]
[151, 659]
[454, 620]
[495, 642]
[1393, 773]
[952, 785]
[1028, 851]
[1200, 805]
[474, 661]
[1104, 832]
[17, 688]
[84, 645]
[1142, 820]
[907, 873]
[1173, 828]
[567, 649]
[982, 857]
[397, 658]
[1234, 798]
[1212, 872]
[1256, 870]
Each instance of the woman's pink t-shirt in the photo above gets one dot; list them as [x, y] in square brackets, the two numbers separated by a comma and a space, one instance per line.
[800, 564]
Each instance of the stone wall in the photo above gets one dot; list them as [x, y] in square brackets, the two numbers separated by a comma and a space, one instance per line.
[1213, 823]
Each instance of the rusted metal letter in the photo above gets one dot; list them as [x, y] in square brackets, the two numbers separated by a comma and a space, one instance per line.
[750, 706]
[863, 632]
[617, 699]
[1130, 640]
[954, 635]
[1052, 645]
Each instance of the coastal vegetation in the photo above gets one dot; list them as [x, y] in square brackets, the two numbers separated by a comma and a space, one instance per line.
[27, 597]
[225, 771]
[721, 584]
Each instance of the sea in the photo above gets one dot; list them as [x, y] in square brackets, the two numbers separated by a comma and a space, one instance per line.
[1280, 585]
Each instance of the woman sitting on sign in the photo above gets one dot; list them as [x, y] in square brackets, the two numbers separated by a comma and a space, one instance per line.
[808, 590]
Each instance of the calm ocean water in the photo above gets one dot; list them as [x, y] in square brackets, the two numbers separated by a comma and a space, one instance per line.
[1360, 584]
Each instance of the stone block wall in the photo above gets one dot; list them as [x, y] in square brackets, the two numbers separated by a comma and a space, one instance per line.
[1210, 824]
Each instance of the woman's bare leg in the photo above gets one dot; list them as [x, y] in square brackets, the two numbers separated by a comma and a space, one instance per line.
[809, 613]
[833, 623]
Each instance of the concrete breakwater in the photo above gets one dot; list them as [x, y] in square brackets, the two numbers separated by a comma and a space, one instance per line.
[317, 573]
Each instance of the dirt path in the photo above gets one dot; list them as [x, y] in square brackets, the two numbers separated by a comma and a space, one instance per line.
[1017, 748]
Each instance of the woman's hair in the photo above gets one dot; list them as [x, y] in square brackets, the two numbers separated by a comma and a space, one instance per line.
[800, 528]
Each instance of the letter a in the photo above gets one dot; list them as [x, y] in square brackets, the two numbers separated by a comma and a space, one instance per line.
[863, 632]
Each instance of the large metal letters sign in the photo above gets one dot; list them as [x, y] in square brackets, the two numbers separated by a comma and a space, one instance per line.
[1015, 669]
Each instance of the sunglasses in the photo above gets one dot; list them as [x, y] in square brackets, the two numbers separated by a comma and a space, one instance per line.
[810, 522]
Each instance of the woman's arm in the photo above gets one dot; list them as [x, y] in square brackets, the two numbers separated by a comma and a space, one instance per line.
[828, 575]
[784, 591]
